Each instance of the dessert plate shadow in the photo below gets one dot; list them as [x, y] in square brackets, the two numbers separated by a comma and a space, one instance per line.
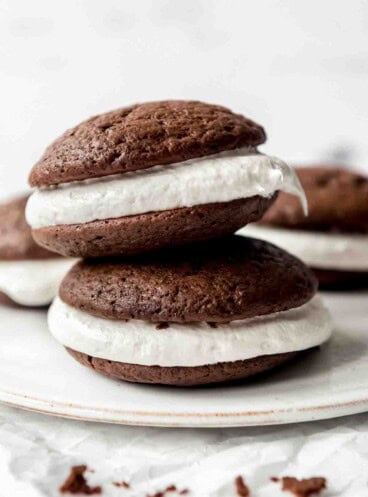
[37, 374]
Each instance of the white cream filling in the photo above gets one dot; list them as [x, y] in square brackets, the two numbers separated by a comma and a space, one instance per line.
[194, 344]
[33, 282]
[223, 177]
[345, 252]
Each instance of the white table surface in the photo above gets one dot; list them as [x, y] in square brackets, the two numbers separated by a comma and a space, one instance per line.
[37, 451]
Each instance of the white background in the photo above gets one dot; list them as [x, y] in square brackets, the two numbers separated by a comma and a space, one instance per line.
[298, 67]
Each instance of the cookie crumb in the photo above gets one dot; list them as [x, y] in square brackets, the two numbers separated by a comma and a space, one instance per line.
[241, 488]
[302, 488]
[122, 484]
[77, 484]
[162, 326]
[170, 488]
[211, 324]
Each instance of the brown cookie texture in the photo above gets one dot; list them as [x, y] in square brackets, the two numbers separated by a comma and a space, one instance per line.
[242, 489]
[337, 199]
[182, 376]
[218, 281]
[76, 483]
[331, 279]
[142, 233]
[5, 300]
[16, 242]
[302, 488]
[142, 136]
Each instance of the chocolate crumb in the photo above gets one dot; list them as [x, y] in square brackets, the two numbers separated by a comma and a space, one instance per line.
[241, 488]
[122, 484]
[77, 484]
[160, 493]
[212, 324]
[302, 488]
[170, 488]
[162, 326]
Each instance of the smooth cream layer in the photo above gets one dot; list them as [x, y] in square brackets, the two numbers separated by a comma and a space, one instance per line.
[194, 344]
[344, 252]
[33, 282]
[223, 177]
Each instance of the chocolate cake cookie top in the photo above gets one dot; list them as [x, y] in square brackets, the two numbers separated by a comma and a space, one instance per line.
[142, 136]
[16, 242]
[337, 199]
[233, 278]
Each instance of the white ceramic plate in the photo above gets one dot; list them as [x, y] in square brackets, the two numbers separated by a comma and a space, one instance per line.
[36, 373]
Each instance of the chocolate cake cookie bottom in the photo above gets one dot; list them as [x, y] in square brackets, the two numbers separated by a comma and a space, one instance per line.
[331, 279]
[4, 299]
[150, 231]
[183, 376]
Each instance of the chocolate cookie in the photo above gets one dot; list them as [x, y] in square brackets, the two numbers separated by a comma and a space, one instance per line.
[337, 202]
[141, 136]
[4, 299]
[333, 238]
[29, 274]
[152, 176]
[229, 279]
[16, 242]
[152, 231]
[210, 312]
[183, 376]
[330, 279]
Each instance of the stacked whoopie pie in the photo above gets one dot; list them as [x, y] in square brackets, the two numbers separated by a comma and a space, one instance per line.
[151, 195]
[333, 238]
[29, 274]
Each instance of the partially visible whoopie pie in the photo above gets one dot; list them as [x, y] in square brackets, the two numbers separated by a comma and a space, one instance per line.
[333, 238]
[206, 313]
[29, 274]
[151, 176]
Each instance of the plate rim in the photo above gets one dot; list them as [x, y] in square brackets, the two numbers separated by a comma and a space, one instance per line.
[184, 419]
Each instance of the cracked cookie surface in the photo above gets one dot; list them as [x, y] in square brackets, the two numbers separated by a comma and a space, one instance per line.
[337, 202]
[218, 281]
[141, 136]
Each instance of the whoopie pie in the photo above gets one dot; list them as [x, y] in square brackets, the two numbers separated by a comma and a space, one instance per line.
[29, 274]
[152, 176]
[205, 313]
[333, 238]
